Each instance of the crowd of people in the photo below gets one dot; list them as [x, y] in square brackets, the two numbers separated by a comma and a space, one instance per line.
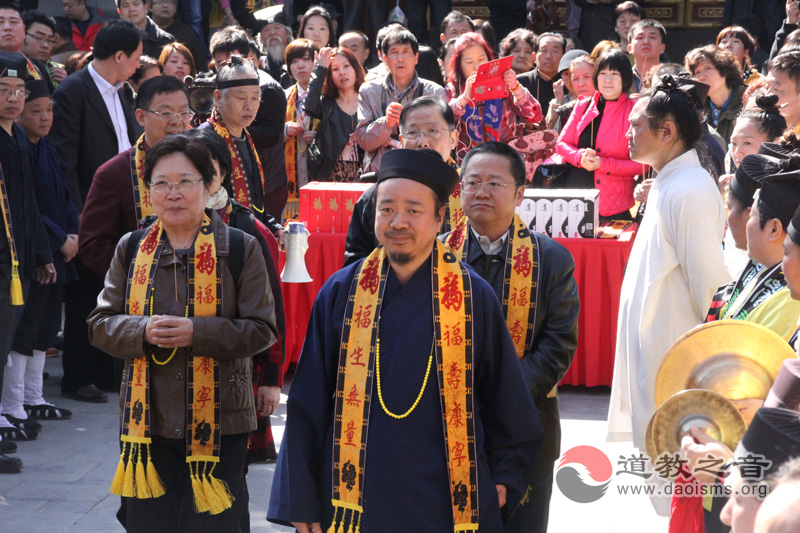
[148, 164]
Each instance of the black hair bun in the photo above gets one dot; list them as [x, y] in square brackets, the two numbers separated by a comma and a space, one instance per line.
[768, 103]
[236, 60]
[791, 164]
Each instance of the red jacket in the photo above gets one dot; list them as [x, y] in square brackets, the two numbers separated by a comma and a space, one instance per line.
[85, 41]
[614, 178]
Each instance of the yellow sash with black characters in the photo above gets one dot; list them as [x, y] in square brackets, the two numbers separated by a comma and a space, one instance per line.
[455, 214]
[203, 434]
[452, 309]
[141, 194]
[241, 186]
[521, 280]
[15, 288]
[293, 144]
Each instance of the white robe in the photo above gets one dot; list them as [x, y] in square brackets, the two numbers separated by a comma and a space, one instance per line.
[675, 267]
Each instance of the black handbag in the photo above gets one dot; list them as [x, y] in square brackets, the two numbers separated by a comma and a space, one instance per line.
[551, 176]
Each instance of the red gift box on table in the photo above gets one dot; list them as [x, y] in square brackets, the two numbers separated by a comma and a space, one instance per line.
[327, 207]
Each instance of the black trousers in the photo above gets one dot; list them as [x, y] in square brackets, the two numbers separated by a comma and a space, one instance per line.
[41, 319]
[417, 13]
[353, 16]
[174, 511]
[83, 363]
[533, 515]
[7, 315]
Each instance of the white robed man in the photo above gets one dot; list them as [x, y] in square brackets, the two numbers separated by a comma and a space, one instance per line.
[676, 263]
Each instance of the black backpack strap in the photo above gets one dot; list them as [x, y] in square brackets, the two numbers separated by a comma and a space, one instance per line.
[235, 259]
[236, 254]
[130, 249]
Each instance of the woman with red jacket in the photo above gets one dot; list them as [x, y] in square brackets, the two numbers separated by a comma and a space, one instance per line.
[594, 142]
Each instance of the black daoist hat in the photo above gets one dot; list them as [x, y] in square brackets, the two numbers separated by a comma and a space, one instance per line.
[780, 196]
[774, 434]
[785, 392]
[37, 89]
[13, 65]
[750, 175]
[423, 166]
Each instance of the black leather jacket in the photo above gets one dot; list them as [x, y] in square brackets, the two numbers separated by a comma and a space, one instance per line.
[333, 132]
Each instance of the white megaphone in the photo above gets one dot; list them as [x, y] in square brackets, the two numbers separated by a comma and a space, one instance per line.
[295, 243]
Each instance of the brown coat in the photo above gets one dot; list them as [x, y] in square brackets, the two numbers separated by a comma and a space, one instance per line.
[108, 214]
[246, 328]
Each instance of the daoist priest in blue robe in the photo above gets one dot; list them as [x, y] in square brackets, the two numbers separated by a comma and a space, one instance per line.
[408, 411]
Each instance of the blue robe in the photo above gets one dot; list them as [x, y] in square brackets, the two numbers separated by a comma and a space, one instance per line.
[406, 484]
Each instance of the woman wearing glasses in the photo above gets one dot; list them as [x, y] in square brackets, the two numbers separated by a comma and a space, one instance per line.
[333, 99]
[186, 307]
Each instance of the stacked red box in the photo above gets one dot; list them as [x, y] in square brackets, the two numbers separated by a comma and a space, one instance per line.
[327, 207]
[350, 193]
[312, 206]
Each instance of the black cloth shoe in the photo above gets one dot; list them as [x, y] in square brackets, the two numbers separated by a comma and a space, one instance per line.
[15, 433]
[6, 446]
[10, 465]
[47, 411]
[89, 393]
[27, 424]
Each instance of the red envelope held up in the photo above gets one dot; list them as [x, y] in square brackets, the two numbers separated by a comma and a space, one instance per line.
[489, 83]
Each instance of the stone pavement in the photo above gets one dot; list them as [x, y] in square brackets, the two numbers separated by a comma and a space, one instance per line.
[64, 484]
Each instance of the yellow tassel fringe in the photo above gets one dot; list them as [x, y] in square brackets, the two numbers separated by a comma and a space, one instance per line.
[116, 483]
[16, 285]
[132, 479]
[210, 494]
[154, 482]
[127, 483]
[337, 525]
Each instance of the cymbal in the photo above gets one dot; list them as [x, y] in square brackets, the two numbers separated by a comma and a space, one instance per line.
[706, 410]
[735, 358]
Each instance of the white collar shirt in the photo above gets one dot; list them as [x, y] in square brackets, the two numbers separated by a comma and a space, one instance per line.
[490, 248]
[110, 94]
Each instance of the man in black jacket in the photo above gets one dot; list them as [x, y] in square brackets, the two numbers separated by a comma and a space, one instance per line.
[92, 124]
[153, 37]
[23, 237]
[267, 128]
[164, 16]
[533, 277]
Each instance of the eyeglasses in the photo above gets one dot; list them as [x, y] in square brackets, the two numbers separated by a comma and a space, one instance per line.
[491, 186]
[184, 116]
[156, 2]
[430, 133]
[41, 39]
[19, 93]
[185, 185]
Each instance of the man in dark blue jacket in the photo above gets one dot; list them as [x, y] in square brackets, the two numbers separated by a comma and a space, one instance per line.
[24, 253]
[41, 316]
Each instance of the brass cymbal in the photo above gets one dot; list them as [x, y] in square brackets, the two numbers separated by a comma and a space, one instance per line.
[735, 358]
[706, 410]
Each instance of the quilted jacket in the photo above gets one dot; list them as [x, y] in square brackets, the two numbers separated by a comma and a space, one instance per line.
[614, 178]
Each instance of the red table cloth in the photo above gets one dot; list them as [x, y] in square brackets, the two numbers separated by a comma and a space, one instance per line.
[599, 268]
